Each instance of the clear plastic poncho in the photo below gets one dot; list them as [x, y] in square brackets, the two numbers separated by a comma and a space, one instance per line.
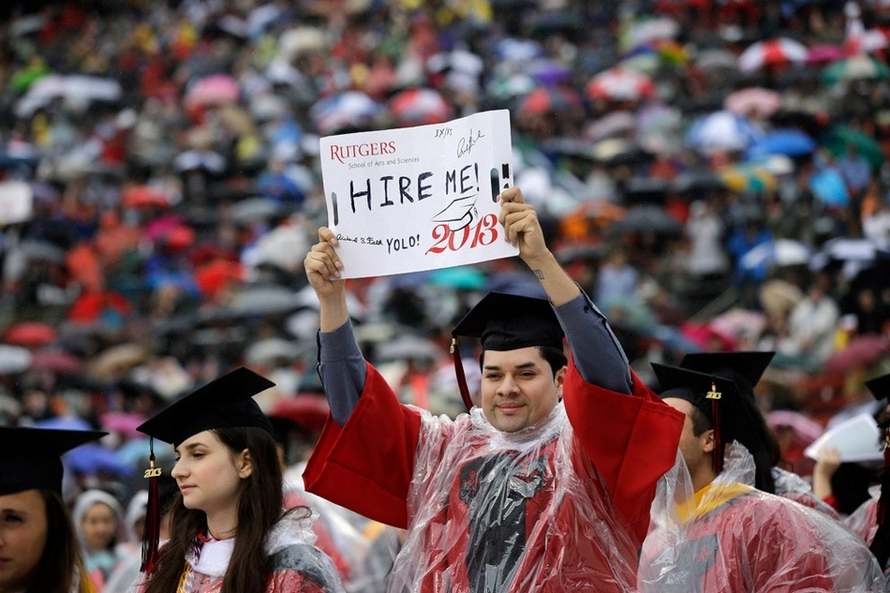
[495, 512]
[864, 520]
[731, 538]
[791, 486]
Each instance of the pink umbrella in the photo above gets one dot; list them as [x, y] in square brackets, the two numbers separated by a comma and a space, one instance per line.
[122, 422]
[754, 101]
[773, 52]
[824, 54]
[56, 361]
[861, 352]
[806, 428]
[620, 84]
[420, 106]
[218, 89]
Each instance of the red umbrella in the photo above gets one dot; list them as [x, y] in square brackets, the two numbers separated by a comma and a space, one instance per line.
[861, 352]
[824, 54]
[310, 411]
[214, 277]
[56, 361]
[549, 100]
[90, 306]
[420, 106]
[31, 334]
[144, 196]
[620, 84]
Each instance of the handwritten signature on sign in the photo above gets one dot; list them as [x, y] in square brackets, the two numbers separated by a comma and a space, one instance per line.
[465, 145]
[368, 240]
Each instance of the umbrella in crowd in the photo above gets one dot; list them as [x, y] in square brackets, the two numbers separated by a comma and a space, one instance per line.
[772, 53]
[620, 84]
[351, 109]
[420, 106]
[722, 130]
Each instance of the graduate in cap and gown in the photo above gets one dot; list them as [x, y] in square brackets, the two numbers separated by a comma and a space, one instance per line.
[229, 531]
[714, 532]
[545, 484]
[745, 369]
[871, 521]
[39, 552]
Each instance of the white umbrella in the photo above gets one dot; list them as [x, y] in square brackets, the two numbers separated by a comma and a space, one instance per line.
[76, 89]
[13, 359]
[284, 247]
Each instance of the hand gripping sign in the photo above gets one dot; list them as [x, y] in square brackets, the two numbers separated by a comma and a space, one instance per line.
[420, 198]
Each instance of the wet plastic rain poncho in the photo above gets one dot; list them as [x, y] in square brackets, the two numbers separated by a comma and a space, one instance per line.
[560, 507]
[791, 486]
[864, 520]
[731, 538]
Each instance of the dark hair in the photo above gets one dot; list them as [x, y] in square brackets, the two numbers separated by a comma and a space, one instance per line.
[555, 357]
[60, 562]
[763, 448]
[259, 507]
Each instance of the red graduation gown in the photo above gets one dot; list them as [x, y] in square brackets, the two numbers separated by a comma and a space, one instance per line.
[562, 507]
[741, 540]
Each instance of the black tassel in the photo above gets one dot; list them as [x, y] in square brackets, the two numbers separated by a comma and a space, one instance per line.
[152, 535]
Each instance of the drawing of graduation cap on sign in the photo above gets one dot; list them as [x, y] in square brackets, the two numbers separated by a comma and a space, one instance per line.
[459, 213]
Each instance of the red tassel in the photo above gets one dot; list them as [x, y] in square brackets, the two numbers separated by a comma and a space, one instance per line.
[717, 461]
[152, 535]
[461, 377]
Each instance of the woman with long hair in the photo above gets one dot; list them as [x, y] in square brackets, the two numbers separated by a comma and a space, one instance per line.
[229, 532]
[39, 551]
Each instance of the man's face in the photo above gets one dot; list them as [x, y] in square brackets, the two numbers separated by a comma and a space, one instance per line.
[696, 450]
[518, 388]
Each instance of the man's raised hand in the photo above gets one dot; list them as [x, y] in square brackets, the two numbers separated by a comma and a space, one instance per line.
[323, 265]
[521, 225]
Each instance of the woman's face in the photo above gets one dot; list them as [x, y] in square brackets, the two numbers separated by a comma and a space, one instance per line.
[208, 473]
[22, 537]
[98, 526]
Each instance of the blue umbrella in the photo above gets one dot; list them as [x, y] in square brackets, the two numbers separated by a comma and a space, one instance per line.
[785, 142]
[92, 458]
[64, 423]
[829, 186]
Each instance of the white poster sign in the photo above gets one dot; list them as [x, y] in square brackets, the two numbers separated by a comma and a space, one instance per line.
[420, 198]
[857, 439]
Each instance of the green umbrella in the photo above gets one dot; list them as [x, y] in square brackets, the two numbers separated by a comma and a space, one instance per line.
[840, 137]
[859, 67]
[463, 278]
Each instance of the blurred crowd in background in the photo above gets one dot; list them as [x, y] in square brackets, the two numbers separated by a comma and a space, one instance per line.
[712, 172]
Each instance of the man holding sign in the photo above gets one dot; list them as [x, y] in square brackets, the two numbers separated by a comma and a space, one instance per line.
[544, 487]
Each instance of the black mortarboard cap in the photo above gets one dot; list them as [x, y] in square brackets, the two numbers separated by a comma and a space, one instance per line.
[879, 386]
[503, 322]
[732, 412]
[745, 368]
[225, 402]
[30, 458]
